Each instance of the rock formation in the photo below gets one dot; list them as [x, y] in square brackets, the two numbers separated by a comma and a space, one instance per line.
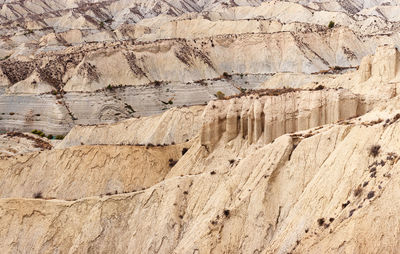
[199, 126]
[267, 117]
[59, 54]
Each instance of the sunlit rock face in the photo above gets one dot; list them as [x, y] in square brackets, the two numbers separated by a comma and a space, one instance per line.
[199, 126]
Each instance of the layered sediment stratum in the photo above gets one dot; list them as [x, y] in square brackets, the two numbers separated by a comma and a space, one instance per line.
[84, 62]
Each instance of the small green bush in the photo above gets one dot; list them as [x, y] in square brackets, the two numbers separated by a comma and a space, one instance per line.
[60, 137]
[220, 95]
[39, 133]
[331, 24]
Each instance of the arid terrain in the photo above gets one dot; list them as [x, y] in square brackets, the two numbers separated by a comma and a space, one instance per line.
[184, 126]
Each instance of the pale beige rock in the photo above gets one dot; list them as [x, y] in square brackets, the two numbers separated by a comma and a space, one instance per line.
[99, 170]
[269, 117]
[290, 173]
[177, 125]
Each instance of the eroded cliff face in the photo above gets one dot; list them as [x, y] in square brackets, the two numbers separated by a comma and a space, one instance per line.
[232, 200]
[55, 58]
[306, 170]
[264, 118]
[109, 169]
[177, 125]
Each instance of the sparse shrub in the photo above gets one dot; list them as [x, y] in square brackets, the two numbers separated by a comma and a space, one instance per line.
[5, 58]
[101, 25]
[129, 107]
[344, 205]
[59, 137]
[226, 75]
[231, 161]
[39, 133]
[357, 191]
[212, 173]
[38, 195]
[54, 92]
[184, 150]
[12, 113]
[371, 194]
[50, 136]
[331, 24]
[29, 31]
[321, 221]
[220, 95]
[319, 87]
[172, 162]
[227, 212]
[396, 117]
[374, 150]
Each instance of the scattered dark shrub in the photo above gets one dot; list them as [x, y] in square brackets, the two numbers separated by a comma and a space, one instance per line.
[227, 212]
[331, 24]
[38, 195]
[226, 75]
[374, 150]
[172, 162]
[184, 150]
[371, 194]
[321, 221]
[212, 173]
[357, 191]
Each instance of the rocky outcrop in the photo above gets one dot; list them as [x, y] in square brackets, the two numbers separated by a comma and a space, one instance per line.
[311, 166]
[382, 65]
[14, 143]
[108, 169]
[166, 52]
[177, 125]
[334, 189]
[264, 118]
